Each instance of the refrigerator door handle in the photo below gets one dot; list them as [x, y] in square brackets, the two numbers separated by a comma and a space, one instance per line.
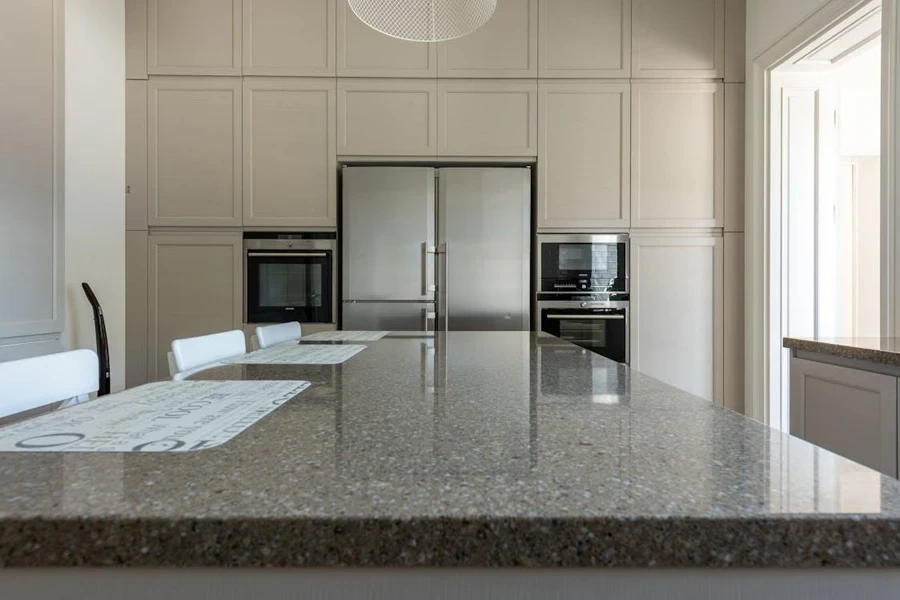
[445, 285]
[427, 285]
[427, 316]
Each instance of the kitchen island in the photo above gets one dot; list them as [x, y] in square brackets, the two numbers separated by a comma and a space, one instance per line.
[466, 450]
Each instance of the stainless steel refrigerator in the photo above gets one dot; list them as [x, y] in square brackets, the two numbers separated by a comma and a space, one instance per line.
[426, 248]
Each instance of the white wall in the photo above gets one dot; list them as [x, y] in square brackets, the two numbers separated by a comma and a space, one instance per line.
[95, 173]
[769, 20]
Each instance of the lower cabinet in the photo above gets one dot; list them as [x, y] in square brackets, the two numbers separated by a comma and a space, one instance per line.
[677, 311]
[195, 284]
[848, 411]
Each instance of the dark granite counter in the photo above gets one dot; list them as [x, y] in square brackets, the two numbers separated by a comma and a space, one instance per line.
[472, 449]
[882, 351]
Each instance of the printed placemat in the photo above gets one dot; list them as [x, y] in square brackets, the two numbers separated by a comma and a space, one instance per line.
[346, 336]
[312, 354]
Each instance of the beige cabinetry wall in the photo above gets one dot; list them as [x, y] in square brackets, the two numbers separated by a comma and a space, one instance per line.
[289, 37]
[364, 52]
[194, 37]
[678, 38]
[584, 39]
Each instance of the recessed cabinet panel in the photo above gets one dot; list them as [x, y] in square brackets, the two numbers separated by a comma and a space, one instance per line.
[290, 155]
[195, 287]
[364, 52]
[585, 39]
[194, 37]
[584, 155]
[195, 151]
[677, 155]
[487, 118]
[504, 47]
[289, 37]
[387, 117]
[677, 306]
[678, 38]
[735, 165]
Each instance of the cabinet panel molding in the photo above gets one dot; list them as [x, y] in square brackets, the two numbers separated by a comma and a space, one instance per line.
[677, 155]
[290, 152]
[487, 118]
[194, 135]
[174, 28]
[678, 39]
[584, 155]
[290, 37]
[581, 39]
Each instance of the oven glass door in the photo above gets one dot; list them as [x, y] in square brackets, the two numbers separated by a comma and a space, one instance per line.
[289, 286]
[604, 332]
[603, 264]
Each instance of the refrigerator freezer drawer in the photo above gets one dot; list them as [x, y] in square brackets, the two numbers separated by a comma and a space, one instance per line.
[388, 316]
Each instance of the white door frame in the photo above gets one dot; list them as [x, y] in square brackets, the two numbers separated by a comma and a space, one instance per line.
[759, 260]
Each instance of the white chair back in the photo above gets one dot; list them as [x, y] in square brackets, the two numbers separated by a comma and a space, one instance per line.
[191, 353]
[35, 382]
[272, 335]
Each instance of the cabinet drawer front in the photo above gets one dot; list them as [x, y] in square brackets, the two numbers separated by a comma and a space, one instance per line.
[479, 118]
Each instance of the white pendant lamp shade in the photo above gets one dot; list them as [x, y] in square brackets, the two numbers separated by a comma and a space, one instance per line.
[424, 20]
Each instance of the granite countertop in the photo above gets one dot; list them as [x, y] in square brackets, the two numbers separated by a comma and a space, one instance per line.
[471, 449]
[882, 351]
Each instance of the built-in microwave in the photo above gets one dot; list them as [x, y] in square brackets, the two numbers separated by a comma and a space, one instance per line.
[290, 277]
[583, 263]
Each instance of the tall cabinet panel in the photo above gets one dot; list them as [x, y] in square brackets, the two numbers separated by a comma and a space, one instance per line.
[584, 39]
[195, 289]
[734, 322]
[136, 313]
[135, 155]
[290, 154]
[194, 130]
[505, 47]
[677, 154]
[678, 38]
[194, 37]
[583, 155]
[735, 165]
[677, 311]
[289, 37]
[136, 39]
[364, 52]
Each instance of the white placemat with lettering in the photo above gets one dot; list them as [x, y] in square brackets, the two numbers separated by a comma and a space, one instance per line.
[346, 336]
[299, 354]
[170, 416]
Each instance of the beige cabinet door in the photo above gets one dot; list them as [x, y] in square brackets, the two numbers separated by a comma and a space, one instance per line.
[584, 155]
[194, 37]
[194, 135]
[850, 412]
[379, 117]
[290, 153]
[677, 159]
[136, 155]
[584, 39]
[735, 41]
[135, 39]
[364, 52]
[136, 313]
[734, 322]
[678, 38]
[487, 118]
[195, 287]
[289, 37]
[677, 311]
[507, 46]
[735, 165]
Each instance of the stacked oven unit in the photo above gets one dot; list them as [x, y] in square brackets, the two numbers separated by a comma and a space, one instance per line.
[583, 291]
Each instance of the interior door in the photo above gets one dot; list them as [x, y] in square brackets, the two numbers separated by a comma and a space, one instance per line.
[388, 230]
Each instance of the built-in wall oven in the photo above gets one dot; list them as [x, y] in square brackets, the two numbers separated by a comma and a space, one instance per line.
[584, 291]
[290, 277]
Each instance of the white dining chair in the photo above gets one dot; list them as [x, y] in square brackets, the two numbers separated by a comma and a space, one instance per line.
[273, 335]
[34, 382]
[197, 353]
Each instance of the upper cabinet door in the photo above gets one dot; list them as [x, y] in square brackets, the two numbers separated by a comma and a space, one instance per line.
[387, 117]
[289, 37]
[585, 39]
[677, 154]
[194, 37]
[364, 52]
[678, 38]
[584, 155]
[505, 47]
[290, 158]
[487, 118]
[194, 135]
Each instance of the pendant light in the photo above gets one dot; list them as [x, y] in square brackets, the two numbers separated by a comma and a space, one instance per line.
[424, 20]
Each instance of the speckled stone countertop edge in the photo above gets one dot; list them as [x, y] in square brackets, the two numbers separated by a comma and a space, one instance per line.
[474, 542]
[871, 355]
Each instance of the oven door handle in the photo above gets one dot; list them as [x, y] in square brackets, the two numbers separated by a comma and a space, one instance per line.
[288, 254]
[589, 317]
